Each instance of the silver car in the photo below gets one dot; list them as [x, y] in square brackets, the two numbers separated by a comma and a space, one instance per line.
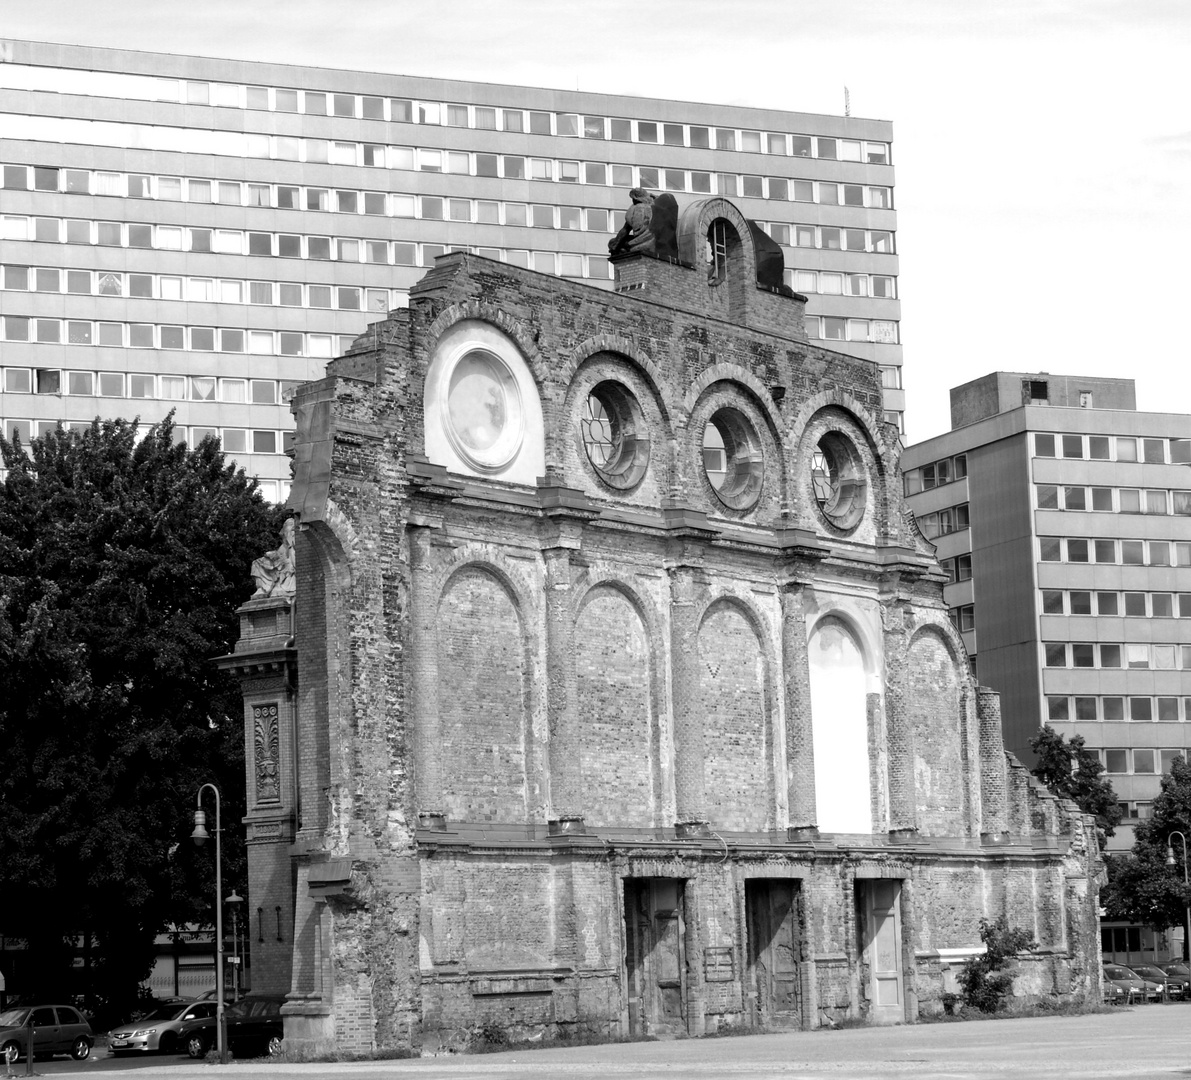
[159, 1030]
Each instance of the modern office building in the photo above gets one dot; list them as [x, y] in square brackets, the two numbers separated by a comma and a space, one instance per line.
[1063, 516]
[200, 235]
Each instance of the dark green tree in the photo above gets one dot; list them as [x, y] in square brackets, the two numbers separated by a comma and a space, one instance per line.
[1141, 887]
[1073, 772]
[121, 565]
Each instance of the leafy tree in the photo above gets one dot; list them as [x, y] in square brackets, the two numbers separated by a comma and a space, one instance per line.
[982, 979]
[121, 565]
[1141, 887]
[1072, 772]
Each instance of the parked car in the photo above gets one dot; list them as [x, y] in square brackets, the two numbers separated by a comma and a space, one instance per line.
[1121, 986]
[57, 1029]
[158, 1030]
[1182, 970]
[1174, 984]
[253, 1027]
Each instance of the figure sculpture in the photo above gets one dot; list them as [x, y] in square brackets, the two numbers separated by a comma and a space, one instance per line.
[273, 572]
[650, 226]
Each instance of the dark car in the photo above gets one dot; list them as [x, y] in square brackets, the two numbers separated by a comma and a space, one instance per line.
[253, 1027]
[158, 1030]
[1179, 969]
[57, 1029]
[1122, 986]
[1152, 973]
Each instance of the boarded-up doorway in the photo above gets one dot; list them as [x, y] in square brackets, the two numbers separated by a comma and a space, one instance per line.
[773, 981]
[881, 944]
[655, 964]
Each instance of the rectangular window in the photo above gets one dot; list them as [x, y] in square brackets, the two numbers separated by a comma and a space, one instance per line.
[1155, 502]
[1114, 708]
[1106, 551]
[1052, 601]
[1143, 760]
[1082, 654]
[1126, 449]
[1132, 553]
[1050, 548]
[1057, 708]
[1044, 445]
[1159, 553]
[1135, 604]
[1154, 450]
[1077, 550]
[1073, 446]
[1098, 447]
[1081, 602]
[1048, 496]
[1137, 656]
[1164, 657]
[1102, 499]
[1116, 761]
[1106, 603]
[1110, 656]
[1129, 501]
[1056, 654]
[1085, 708]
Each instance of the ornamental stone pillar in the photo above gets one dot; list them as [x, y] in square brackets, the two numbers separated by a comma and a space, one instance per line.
[903, 803]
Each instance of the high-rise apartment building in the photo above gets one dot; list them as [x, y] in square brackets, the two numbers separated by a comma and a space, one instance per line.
[200, 235]
[1063, 517]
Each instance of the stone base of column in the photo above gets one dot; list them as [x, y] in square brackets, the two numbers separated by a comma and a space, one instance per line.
[903, 836]
[567, 825]
[432, 820]
[802, 834]
[692, 830]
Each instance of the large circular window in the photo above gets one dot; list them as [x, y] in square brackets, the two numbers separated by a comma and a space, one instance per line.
[732, 458]
[484, 418]
[613, 435]
[837, 480]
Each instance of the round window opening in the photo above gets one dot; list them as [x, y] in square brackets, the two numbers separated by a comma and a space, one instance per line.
[613, 434]
[732, 459]
[837, 480]
[484, 415]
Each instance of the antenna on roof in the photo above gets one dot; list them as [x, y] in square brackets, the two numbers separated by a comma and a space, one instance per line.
[847, 102]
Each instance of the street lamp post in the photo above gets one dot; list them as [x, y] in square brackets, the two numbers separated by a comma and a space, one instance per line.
[1170, 862]
[200, 836]
[234, 903]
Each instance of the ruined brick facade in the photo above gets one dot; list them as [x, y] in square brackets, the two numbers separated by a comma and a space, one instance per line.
[621, 695]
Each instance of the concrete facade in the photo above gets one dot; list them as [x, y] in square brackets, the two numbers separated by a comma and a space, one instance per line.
[1063, 516]
[674, 737]
[197, 234]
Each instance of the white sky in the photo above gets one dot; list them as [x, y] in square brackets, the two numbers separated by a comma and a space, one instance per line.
[1042, 147]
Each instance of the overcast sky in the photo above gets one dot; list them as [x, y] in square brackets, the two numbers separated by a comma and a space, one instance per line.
[1042, 147]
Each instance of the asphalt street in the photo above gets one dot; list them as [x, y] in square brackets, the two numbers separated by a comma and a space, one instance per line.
[1146, 1042]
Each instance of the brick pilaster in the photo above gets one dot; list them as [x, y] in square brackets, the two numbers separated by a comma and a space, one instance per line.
[800, 739]
[423, 667]
[561, 704]
[994, 818]
[688, 592]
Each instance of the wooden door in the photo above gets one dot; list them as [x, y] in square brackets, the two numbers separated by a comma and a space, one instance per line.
[774, 979]
[883, 949]
[655, 964]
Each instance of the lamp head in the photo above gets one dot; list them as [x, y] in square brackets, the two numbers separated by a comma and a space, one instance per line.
[233, 899]
[1169, 854]
[200, 835]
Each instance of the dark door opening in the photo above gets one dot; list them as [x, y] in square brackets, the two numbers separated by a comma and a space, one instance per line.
[655, 961]
[773, 982]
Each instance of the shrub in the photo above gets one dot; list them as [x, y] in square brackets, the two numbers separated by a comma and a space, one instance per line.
[984, 984]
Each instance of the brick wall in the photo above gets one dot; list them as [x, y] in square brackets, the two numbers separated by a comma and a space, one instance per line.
[564, 673]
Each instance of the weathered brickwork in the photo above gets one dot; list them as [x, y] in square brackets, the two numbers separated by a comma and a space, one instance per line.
[574, 569]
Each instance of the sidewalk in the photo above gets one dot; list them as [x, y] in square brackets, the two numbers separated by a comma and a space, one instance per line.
[1151, 1041]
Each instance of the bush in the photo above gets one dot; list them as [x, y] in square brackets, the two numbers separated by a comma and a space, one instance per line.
[984, 984]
